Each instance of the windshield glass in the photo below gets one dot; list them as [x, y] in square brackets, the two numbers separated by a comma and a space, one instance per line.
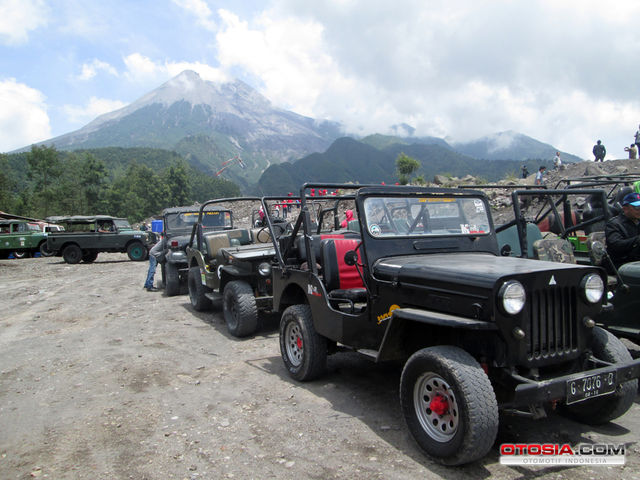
[210, 218]
[122, 224]
[425, 216]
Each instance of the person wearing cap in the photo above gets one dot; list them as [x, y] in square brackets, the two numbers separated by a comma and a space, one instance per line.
[623, 232]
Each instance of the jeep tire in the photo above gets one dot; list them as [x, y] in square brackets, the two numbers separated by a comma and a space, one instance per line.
[72, 254]
[136, 251]
[449, 405]
[44, 251]
[303, 350]
[89, 256]
[239, 308]
[171, 279]
[197, 291]
[608, 407]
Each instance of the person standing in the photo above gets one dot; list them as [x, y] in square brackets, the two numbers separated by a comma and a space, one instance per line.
[623, 232]
[638, 139]
[633, 151]
[557, 163]
[525, 171]
[599, 151]
[154, 254]
[540, 176]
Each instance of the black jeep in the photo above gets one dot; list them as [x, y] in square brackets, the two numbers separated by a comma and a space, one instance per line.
[234, 266]
[177, 225]
[420, 279]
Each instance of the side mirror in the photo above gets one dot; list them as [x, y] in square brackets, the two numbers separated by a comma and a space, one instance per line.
[505, 251]
[351, 258]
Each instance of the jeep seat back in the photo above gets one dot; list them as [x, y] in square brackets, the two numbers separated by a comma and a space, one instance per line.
[554, 250]
[342, 280]
[217, 240]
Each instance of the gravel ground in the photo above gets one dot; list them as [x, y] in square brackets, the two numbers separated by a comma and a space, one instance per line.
[100, 379]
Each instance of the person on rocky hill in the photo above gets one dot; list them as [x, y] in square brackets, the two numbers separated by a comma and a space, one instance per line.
[633, 151]
[599, 151]
[623, 232]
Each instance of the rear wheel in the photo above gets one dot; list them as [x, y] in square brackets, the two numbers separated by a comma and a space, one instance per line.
[72, 254]
[239, 308]
[171, 279]
[44, 251]
[89, 257]
[137, 251]
[197, 291]
[303, 350]
[603, 409]
[449, 405]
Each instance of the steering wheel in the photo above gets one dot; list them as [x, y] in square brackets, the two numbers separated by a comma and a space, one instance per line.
[263, 235]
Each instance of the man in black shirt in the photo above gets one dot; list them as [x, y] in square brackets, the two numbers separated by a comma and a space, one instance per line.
[623, 232]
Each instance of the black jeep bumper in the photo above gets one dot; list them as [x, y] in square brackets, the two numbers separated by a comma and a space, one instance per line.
[533, 392]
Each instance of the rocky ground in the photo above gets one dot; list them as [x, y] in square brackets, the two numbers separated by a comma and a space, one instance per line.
[100, 379]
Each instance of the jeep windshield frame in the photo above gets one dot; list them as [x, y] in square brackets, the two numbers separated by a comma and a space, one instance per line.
[433, 220]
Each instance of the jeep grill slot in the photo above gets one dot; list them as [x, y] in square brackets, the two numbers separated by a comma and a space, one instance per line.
[552, 331]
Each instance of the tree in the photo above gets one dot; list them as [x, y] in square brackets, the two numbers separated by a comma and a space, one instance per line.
[6, 186]
[44, 170]
[405, 166]
[177, 183]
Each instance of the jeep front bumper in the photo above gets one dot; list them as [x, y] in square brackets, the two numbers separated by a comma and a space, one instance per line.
[558, 389]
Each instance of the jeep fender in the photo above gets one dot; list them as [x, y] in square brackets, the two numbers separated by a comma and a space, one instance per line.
[392, 343]
[195, 259]
[228, 273]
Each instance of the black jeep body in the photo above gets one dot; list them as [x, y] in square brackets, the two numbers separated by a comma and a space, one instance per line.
[177, 225]
[422, 279]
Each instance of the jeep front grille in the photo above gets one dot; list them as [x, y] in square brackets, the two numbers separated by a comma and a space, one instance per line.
[552, 331]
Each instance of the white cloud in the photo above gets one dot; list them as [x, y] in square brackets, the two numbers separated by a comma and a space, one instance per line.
[142, 69]
[94, 108]
[562, 72]
[23, 116]
[90, 70]
[200, 9]
[19, 17]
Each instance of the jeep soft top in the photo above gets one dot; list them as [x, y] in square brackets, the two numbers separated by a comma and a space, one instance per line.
[420, 278]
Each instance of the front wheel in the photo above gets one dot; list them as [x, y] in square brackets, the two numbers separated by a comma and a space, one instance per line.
[239, 308]
[137, 252]
[303, 350]
[21, 254]
[603, 409]
[171, 279]
[72, 254]
[449, 405]
[197, 291]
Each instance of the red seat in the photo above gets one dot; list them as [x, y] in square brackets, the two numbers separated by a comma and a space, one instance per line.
[342, 280]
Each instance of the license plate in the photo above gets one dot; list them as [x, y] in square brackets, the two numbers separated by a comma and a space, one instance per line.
[590, 386]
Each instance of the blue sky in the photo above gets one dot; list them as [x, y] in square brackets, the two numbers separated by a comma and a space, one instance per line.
[564, 72]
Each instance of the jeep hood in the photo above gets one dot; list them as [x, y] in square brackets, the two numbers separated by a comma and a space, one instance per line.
[473, 269]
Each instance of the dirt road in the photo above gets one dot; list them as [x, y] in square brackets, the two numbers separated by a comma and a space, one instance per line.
[100, 379]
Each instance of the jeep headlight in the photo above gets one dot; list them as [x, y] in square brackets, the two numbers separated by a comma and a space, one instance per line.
[264, 269]
[592, 287]
[512, 297]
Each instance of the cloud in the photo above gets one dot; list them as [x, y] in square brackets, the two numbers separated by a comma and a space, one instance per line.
[142, 69]
[19, 17]
[200, 9]
[542, 68]
[94, 108]
[90, 70]
[23, 116]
